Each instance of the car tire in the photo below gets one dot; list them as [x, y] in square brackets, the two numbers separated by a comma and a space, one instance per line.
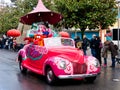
[90, 79]
[22, 69]
[50, 76]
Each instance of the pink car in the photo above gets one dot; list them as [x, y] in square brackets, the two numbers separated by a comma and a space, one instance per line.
[58, 59]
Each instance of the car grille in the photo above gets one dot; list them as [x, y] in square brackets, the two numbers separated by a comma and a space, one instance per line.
[79, 68]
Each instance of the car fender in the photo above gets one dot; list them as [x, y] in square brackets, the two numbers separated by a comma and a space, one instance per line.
[22, 54]
[91, 67]
[54, 66]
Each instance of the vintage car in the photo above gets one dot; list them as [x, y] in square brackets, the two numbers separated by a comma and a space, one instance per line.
[58, 59]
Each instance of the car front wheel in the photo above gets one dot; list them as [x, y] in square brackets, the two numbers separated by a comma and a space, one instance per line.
[22, 69]
[50, 76]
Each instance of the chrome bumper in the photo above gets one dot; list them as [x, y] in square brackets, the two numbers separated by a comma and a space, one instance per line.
[77, 76]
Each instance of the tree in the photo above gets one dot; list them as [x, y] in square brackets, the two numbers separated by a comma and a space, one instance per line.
[76, 13]
[83, 13]
[4, 20]
[10, 15]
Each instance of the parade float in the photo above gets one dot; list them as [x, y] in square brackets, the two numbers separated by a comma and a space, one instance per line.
[55, 57]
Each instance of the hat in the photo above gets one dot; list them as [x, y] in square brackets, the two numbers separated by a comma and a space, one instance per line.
[93, 35]
[84, 36]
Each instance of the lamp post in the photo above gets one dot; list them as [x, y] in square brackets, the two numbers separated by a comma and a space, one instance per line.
[118, 1]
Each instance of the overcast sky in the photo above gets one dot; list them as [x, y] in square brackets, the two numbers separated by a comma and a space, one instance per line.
[6, 1]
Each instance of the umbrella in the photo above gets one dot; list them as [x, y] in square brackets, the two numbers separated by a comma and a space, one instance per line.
[41, 13]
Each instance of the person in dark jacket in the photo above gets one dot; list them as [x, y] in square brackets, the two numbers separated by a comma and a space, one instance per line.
[85, 44]
[98, 46]
[92, 45]
[0, 42]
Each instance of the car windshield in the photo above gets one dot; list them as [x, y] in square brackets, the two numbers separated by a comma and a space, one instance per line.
[67, 42]
[58, 41]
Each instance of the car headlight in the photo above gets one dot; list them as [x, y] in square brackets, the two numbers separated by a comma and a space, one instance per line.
[93, 61]
[62, 64]
[96, 63]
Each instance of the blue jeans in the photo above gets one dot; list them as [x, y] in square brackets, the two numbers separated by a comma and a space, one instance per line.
[93, 52]
[84, 52]
[113, 61]
[105, 61]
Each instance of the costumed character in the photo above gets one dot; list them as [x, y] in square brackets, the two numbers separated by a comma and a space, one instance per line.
[33, 30]
[48, 32]
[54, 34]
[38, 40]
[30, 33]
[45, 31]
[29, 39]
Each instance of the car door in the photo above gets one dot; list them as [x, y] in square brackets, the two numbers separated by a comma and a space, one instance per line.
[36, 56]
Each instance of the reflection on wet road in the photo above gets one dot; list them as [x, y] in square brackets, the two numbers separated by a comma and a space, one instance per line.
[12, 79]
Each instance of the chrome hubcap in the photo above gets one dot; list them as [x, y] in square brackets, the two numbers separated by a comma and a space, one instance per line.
[50, 75]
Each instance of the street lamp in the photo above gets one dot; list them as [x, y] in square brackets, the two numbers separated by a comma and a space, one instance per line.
[118, 1]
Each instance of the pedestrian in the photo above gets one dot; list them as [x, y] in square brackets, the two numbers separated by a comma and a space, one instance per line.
[0, 42]
[114, 53]
[7, 44]
[4, 38]
[98, 46]
[78, 42]
[10, 44]
[105, 51]
[109, 45]
[92, 45]
[85, 44]
[14, 44]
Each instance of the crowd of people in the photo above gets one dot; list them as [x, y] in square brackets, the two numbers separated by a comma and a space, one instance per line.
[98, 49]
[9, 43]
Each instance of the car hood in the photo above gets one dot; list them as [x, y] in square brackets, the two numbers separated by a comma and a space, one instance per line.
[70, 53]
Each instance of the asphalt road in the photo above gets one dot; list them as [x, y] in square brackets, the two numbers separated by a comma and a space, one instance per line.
[12, 79]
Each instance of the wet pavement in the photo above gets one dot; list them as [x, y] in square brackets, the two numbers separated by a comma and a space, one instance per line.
[12, 79]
